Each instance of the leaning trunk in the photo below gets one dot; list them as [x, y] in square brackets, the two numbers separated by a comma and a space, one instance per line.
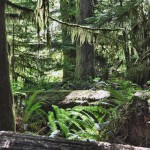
[6, 99]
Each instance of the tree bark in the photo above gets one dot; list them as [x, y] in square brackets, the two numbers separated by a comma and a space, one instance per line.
[11, 141]
[69, 51]
[85, 64]
[6, 98]
[138, 70]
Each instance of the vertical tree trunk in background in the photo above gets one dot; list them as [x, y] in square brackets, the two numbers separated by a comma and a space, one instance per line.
[69, 51]
[6, 98]
[85, 64]
[13, 53]
[138, 70]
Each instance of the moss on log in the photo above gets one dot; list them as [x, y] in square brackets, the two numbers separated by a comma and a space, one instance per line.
[13, 141]
[68, 98]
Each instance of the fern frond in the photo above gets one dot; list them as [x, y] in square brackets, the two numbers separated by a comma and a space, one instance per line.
[52, 122]
[30, 111]
[32, 100]
[64, 128]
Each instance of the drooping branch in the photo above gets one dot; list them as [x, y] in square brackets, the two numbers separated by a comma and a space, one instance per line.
[43, 14]
[61, 22]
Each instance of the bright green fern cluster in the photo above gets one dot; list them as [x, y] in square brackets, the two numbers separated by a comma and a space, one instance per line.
[80, 122]
[33, 114]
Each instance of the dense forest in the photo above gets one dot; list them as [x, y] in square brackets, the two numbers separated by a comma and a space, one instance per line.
[76, 69]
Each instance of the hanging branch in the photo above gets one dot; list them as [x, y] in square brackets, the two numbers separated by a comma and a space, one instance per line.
[84, 27]
[42, 19]
[61, 22]
[85, 33]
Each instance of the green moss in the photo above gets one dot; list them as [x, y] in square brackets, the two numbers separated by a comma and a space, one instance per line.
[52, 97]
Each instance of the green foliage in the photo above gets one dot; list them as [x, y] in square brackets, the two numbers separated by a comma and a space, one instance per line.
[78, 84]
[16, 86]
[148, 82]
[113, 11]
[80, 122]
[90, 122]
[122, 90]
[124, 53]
[123, 50]
[124, 86]
[33, 114]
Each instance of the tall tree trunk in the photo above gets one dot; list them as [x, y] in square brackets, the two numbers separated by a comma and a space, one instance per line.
[69, 51]
[85, 64]
[138, 70]
[6, 98]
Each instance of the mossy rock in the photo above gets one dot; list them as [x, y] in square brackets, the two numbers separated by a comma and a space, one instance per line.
[68, 98]
[53, 97]
[144, 95]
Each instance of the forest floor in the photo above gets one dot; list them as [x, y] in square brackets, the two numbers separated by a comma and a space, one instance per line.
[132, 124]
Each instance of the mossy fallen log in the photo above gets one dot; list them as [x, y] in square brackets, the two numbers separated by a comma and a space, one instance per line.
[68, 98]
[14, 141]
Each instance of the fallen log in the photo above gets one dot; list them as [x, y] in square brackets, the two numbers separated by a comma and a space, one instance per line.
[70, 98]
[16, 141]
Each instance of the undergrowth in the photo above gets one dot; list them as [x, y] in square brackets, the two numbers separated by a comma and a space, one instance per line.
[89, 122]
[33, 115]
[80, 122]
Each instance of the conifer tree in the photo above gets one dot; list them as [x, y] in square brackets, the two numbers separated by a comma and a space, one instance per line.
[7, 122]
[84, 53]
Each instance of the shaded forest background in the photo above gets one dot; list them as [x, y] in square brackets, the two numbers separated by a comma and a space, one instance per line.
[121, 51]
[71, 45]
